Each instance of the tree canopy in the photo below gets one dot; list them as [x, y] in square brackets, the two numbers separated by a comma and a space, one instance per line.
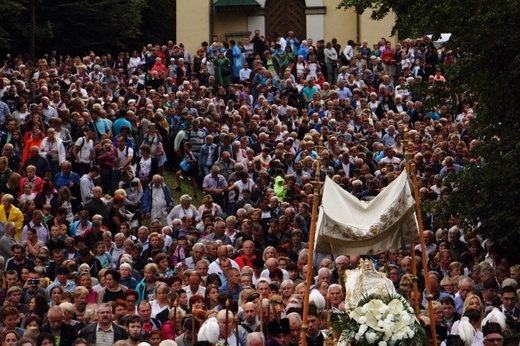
[77, 26]
[487, 47]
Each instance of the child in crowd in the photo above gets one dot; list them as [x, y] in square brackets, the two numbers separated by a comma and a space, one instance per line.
[27, 194]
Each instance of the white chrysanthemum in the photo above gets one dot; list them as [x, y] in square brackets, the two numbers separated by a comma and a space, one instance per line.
[405, 318]
[371, 337]
[398, 336]
[385, 324]
[400, 330]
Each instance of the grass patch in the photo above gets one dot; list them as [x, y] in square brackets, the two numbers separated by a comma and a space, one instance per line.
[169, 178]
[186, 189]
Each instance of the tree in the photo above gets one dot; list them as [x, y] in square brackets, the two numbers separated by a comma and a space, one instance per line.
[79, 26]
[159, 21]
[10, 16]
[487, 71]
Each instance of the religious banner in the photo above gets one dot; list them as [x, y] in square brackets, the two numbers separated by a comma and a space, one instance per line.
[347, 225]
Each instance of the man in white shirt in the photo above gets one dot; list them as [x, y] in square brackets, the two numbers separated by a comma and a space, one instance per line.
[194, 286]
[272, 264]
[390, 158]
[245, 73]
[282, 42]
[124, 154]
[345, 165]
[83, 151]
[223, 254]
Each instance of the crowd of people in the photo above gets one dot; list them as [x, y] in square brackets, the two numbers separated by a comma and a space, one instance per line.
[97, 250]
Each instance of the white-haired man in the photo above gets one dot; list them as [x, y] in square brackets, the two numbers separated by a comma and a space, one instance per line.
[158, 199]
[255, 339]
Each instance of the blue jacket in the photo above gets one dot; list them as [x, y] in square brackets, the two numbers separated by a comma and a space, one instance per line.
[204, 153]
[295, 45]
[63, 180]
[131, 283]
[238, 61]
[147, 199]
[74, 226]
[141, 288]
[303, 51]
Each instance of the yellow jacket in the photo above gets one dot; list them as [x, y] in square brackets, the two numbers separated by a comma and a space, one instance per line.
[15, 216]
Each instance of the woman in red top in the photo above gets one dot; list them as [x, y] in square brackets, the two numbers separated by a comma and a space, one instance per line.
[388, 59]
[159, 66]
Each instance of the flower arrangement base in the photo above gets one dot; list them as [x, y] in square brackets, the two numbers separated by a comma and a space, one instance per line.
[379, 320]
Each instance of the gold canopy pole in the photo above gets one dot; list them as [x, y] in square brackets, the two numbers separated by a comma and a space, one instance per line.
[308, 279]
[409, 157]
[412, 170]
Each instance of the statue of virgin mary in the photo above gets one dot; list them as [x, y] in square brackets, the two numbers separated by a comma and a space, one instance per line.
[365, 280]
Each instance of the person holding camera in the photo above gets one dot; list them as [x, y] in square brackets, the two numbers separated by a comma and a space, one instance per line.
[32, 286]
[259, 44]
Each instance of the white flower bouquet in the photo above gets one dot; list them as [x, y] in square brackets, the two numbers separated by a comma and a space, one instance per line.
[385, 320]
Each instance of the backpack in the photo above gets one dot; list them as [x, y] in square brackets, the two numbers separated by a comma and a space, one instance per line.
[70, 156]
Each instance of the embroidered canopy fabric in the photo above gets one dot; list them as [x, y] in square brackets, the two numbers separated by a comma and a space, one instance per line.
[347, 225]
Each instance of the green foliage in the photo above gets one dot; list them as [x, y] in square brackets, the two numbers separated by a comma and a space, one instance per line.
[78, 26]
[10, 12]
[83, 25]
[487, 47]
[159, 16]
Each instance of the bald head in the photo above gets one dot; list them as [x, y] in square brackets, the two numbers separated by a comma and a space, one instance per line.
[157, 180]
[354, 261]
[249, 306]
[222, 252]
[271, 263]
